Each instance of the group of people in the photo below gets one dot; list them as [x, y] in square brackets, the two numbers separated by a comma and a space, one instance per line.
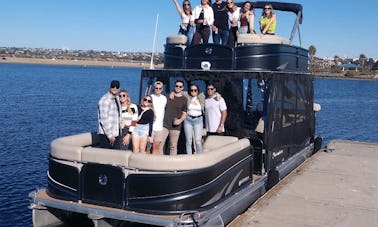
[223, 19]
[146, 127]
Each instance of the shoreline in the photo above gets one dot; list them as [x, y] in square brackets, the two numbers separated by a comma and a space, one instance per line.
[145, 65]
[16, 60]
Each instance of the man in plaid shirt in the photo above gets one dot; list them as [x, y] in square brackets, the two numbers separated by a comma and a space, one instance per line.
[109, 117]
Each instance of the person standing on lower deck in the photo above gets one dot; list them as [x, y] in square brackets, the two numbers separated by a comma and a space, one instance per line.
[175, 114]
[159, 102]
[109, 117]
[215, 112]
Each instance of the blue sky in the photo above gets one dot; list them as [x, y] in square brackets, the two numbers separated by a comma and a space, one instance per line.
[335, 27]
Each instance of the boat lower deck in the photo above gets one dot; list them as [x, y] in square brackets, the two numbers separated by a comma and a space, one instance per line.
[43, 205]
[333, 188]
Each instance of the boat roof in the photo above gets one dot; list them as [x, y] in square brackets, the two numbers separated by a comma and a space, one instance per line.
[281, 6]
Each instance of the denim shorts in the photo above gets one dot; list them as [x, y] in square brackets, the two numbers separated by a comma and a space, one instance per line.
[141, 130]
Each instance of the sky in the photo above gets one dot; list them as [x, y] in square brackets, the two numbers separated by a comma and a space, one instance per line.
[335, 27]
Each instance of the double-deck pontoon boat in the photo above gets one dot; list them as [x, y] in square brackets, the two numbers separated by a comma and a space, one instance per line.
[270, 130]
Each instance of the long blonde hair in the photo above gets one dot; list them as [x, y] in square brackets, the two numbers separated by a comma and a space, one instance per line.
[128, 101]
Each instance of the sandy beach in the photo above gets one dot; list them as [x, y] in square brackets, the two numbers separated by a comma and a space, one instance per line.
[78, 62]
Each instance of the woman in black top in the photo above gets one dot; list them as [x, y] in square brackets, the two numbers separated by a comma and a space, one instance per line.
[143, 128]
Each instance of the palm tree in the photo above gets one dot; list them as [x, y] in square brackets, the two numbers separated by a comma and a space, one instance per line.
[362, 60]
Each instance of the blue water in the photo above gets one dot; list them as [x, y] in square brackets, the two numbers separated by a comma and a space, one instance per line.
[41, 102]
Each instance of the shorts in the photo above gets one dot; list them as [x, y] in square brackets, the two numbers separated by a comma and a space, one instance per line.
[141, 130]
[157, 136]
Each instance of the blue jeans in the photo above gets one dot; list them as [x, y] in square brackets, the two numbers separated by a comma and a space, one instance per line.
[193, 126]
[189, 34]
[221, 36]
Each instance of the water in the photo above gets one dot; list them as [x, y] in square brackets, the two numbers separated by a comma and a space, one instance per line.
[40, 103]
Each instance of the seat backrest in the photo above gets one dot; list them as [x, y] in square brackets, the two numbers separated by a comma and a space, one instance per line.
[70, 147]
[171, 163]
[256, 38]
[176, 40]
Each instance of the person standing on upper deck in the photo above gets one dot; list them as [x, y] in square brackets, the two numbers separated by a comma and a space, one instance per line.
[109, 117]
[175, 114]
[247, 18]
[159, 101]
[215, 112]
[220, 26]
[233, 17]
[186, 26]
[203, 17]
[268, 21]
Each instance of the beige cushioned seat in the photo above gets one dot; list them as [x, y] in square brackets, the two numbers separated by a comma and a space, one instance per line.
[256, 38]
[185, 162]
[70, 147]
[213, 142]
[105, 156]
[177, 40]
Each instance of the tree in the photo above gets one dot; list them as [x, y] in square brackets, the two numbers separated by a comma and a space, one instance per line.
[312, 51]
[375, 67]
[336, 59]
[362, 60]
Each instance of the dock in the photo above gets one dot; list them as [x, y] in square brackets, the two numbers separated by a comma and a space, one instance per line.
[337, 186]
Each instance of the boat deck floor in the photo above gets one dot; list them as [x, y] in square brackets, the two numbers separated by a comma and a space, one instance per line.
[337, 187]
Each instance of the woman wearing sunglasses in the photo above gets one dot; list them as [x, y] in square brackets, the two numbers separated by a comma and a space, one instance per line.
[268, 21]
[143, 128]
[186, 27]
[129, 118]
[193, 124]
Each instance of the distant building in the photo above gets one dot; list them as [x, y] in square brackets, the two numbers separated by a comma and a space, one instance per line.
[349, 66]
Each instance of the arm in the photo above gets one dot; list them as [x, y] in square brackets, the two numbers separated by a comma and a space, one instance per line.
[223, 120]
[251, 21]
[178, 8]
[272, 19]
[104, 119]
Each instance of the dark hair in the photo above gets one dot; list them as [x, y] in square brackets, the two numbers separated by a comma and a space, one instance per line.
[211, 84]
[195, 85]
[179, 81]
[249, 3]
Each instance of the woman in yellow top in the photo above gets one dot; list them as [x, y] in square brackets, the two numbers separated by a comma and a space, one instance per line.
[268, 20]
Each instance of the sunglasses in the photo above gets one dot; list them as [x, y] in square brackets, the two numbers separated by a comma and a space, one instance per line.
[267, 8]
[230, 2]
[186, 4]
[147, 100]
[158, 88]
[210, 88]
[178, 86]
[117, 87]
[123, 95]
[193, 90]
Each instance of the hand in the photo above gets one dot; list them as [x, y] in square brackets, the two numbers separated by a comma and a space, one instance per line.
[126, 139]
[220, 129]
[112, 139]
[177, 122]
[172, 95]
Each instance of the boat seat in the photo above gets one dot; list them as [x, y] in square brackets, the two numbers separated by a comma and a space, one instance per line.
[176, 40]
[256, 38]
[106, 156]
[70, 147]
[172, 163]
[213, 142]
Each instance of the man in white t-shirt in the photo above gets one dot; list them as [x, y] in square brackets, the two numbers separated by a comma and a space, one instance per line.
[159, 102]
[215, 112]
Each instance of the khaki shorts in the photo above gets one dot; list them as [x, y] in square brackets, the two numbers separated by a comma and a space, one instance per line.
[157, 136]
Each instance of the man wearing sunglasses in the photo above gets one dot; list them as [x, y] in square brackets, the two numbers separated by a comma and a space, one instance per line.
[215, 112]
[109, 117]
[160, 101]
[175, 114]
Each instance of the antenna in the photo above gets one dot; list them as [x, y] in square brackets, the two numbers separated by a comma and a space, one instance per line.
[153, 45]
